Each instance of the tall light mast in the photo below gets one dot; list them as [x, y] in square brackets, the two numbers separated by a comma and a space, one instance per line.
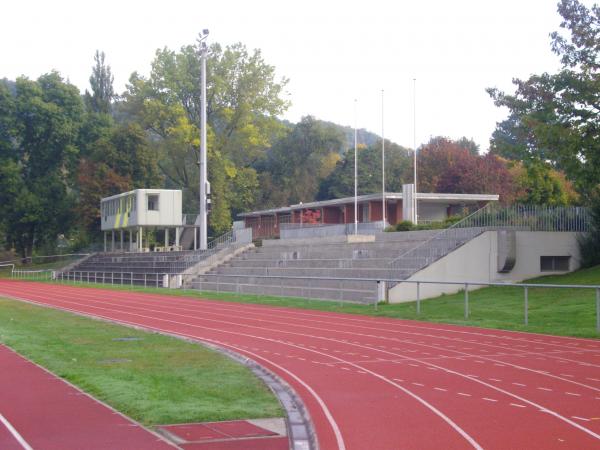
[415, 148]
[202, 221]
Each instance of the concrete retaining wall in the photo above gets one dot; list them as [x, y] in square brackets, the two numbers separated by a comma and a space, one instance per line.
[477, 260]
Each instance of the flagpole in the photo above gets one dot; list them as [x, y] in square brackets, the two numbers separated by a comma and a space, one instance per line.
[355, 170]
[382, 164]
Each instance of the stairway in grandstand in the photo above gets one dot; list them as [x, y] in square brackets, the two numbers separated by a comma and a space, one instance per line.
[278, 266]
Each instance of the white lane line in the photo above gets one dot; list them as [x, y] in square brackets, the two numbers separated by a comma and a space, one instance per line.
[573, 394]
[519, 384]
[15, 433]
[418, 384]
[545, 389]
[464, 395]
[593, 379]
[506, 334]
[489, 399]
[449, 371]
[517, 405]
[341, 445]
[440, 389]
[495, 379]
[580, 418]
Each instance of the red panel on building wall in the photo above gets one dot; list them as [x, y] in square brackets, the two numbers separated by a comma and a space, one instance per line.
[349, 214]
[332, 214]
[375, 211]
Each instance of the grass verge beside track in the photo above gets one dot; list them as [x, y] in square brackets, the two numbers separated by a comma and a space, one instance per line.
[152, 378]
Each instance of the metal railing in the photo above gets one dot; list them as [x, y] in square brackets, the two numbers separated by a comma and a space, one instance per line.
[164, 280]
[312, 230]
[492, 217]
[169, 262]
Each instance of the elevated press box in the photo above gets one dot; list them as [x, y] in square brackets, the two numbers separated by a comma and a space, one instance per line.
[142, 208]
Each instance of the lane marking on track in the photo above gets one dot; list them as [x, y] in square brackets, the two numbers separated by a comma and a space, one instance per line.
[573, 394]
[489, 399]
[553, 413]
[440, 389]
[580, 418]
[519, 384]
[517, 405]
[429, 406]
[464, 395]
[545, 389]
[22, 442]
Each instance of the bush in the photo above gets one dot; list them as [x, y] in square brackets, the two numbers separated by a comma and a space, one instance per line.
[405, 225]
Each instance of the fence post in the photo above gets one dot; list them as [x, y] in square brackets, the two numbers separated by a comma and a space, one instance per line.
[418, 298]
[377, 294]
[466, 300]
[526, 306]
[131, 280]
[598, 310]
[145, 274]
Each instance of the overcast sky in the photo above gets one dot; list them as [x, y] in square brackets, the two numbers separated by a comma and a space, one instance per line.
[332, 51]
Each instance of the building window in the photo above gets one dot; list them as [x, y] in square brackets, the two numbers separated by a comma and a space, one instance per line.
[554, 263]
[152, 202]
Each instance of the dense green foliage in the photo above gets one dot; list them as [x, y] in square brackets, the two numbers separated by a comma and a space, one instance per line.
[160, 380]
[555, 117]
[61, 152]
[589, 243]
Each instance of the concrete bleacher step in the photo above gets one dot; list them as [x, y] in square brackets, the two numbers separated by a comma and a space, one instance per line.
[340, 263]
[382, 273]
[293, 268]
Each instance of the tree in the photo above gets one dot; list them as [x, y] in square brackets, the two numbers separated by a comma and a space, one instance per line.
[243, 102]
[448, 167]
[340, 183]
[555, 118]
[39, 160]
[101, 82]
[540, 184]
[119, 160]
[297, 163]
[589, 243]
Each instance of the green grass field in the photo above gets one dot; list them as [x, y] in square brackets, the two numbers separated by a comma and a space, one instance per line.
[154, 379]
[569, 312]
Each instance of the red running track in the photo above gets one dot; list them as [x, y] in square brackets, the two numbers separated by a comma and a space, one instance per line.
[373, 383]
[40, 411]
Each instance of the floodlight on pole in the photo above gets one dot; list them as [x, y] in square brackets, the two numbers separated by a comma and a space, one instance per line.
[202, 221]
[415, 149]
[355, 169]
[382, 165]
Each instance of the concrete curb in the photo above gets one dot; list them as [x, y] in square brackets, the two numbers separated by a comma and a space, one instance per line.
[301, 433]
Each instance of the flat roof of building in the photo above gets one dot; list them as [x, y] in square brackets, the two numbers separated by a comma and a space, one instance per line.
[151, 191]
[421, 196]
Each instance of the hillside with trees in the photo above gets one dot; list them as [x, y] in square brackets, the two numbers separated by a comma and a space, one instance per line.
[62, 150]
